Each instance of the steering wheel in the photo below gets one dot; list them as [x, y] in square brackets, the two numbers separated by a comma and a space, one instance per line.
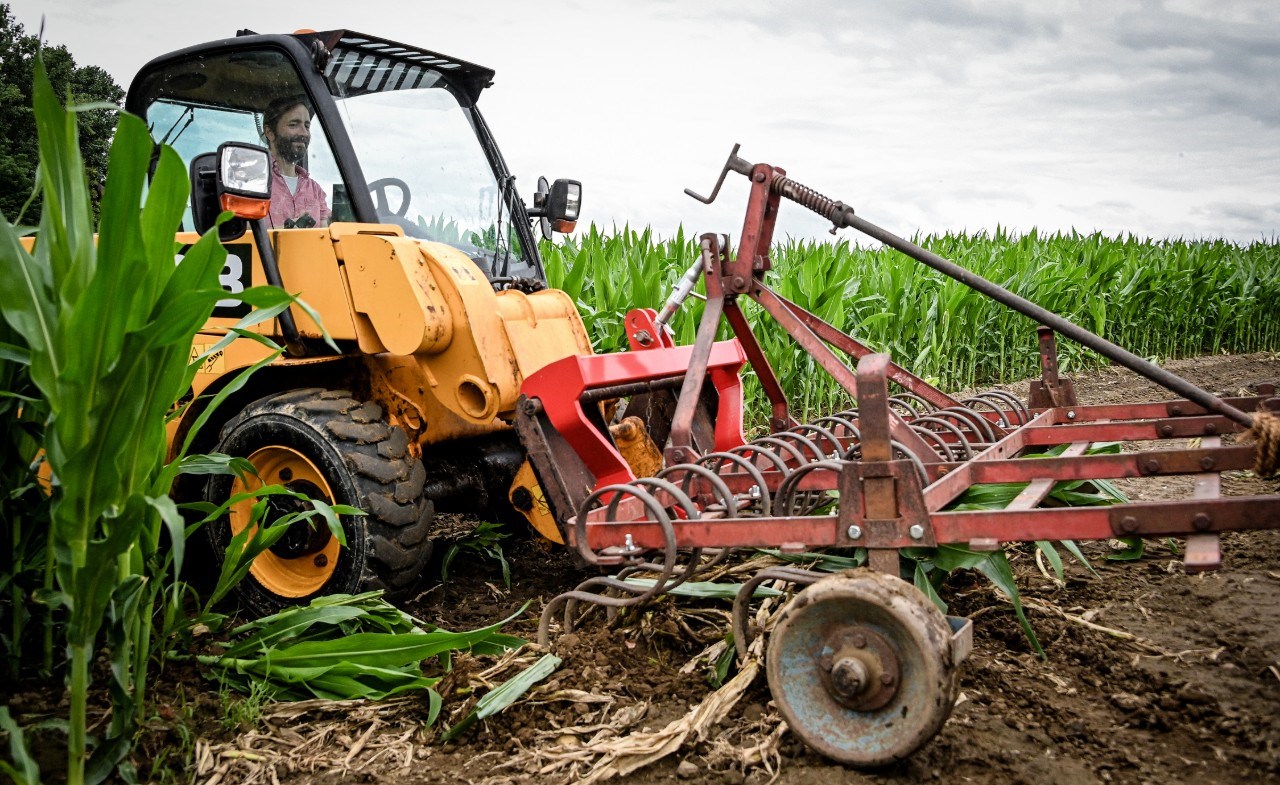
[381, 202]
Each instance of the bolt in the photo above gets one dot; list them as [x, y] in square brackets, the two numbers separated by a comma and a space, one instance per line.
[1210, 428]
[1071, 415]
[1206, 463]
[644, 338]
[1202, 521]
[522, 499]
[629, 544]
[1166, 431]
[859, 640]
[532, 407]
[1176, 411]
[754, 492]
[1129, 524]
[739, 282]
[849, 677]
[886, 679]
[916, 531]
[855, 531]
[678, 456]
[1150, 466]
[321, 560]
[758, 177]
[286, 474]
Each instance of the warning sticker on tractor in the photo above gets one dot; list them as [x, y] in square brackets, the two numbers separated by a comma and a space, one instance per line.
[214, 363]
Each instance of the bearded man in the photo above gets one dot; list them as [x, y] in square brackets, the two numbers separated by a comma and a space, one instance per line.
[297, 201]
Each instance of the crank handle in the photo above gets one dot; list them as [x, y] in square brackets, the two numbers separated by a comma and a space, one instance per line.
[734, 164]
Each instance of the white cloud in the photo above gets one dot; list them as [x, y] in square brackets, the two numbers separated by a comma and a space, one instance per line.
[1153, 118]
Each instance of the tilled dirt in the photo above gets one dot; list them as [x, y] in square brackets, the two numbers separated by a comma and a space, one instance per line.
[1150, 675]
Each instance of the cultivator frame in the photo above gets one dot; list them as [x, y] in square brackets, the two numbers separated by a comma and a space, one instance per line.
[854, 654]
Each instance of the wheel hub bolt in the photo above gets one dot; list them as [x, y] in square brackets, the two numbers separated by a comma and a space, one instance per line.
[849, 677]
[321, 560]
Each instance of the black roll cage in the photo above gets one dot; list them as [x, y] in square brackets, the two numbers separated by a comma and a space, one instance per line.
[307, 52]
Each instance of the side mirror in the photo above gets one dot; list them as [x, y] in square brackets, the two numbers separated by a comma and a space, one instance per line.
[237, 179]
[557, 205]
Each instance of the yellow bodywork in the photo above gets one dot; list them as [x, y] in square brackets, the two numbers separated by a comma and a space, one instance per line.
[441, 346]
[444, 354]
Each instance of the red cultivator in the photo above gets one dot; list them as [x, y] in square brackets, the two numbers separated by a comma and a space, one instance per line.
[861, 664]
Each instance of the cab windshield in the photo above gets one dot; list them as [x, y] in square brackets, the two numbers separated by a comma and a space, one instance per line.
[416, 141]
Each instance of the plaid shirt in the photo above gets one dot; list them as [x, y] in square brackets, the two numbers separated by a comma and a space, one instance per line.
[310, 198]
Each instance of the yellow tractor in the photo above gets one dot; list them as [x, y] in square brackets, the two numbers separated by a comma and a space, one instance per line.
[364, 180]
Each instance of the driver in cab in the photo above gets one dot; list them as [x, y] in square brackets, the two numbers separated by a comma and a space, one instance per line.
[297, 201]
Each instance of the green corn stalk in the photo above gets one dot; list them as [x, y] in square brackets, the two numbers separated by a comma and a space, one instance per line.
[109, 327]
[935, 326]
[102, 328]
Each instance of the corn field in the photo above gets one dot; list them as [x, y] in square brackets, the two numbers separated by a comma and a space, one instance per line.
[1161, 299]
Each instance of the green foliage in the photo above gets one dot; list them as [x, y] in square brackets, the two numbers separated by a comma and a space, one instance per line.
[1149, 296]
[95, 349]
[26, 772]
[108, 327]
[79, 84]
[484, 540]
[505, 694]
[344, 647]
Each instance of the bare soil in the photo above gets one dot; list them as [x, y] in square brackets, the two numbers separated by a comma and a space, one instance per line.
[1150, 675]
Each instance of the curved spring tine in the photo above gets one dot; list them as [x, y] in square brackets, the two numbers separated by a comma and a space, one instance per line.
[961, 438]
[900, 452]
[974, 422]
[569, 600]
[823, 433]
[716, 460]
[792, 450]
[720, 458]
[678, 496]
[769, 455]
[976, 401]
[935, 441]
[1015, 403]
[741, 601]
[787, 496]
[919, 404]
[839, 421]
[719, 489]
[793, 435]
[903, 404]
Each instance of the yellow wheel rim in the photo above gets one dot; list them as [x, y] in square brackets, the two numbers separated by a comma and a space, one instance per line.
[282, 573]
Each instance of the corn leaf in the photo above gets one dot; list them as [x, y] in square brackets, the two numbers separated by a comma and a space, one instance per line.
[505, 694]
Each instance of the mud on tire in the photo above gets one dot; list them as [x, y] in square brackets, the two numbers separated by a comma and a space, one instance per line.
[348, 446]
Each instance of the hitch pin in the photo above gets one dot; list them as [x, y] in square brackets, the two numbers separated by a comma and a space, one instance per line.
[681, 293]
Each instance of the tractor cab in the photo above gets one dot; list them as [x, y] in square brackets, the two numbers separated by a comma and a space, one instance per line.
[376, 132]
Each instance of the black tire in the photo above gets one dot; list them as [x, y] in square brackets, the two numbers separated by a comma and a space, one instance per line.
[365, 463]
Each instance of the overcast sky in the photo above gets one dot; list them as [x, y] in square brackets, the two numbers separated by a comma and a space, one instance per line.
[1156, 118]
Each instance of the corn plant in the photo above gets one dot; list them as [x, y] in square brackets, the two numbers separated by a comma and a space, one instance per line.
[101, 327]
[1159, 298]
[485, 540]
